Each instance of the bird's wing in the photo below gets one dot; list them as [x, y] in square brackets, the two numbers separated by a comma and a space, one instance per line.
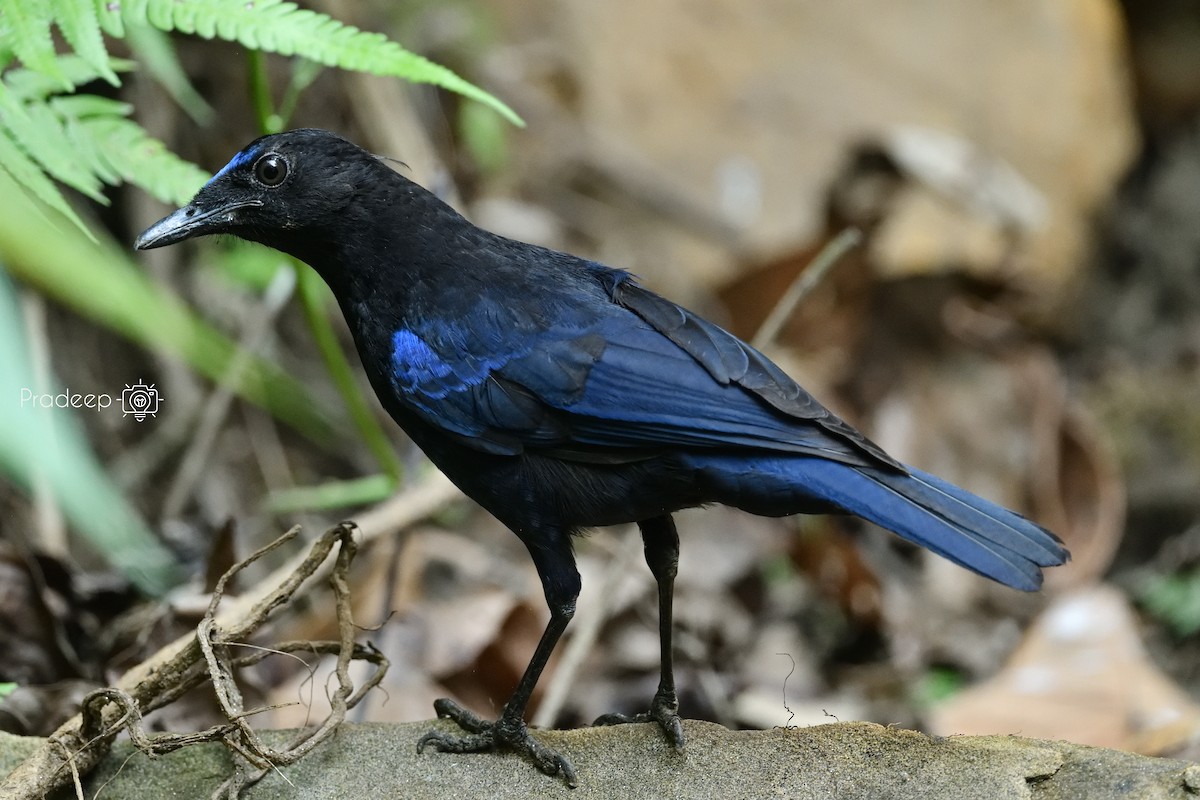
[441, 374]
[617, 378]
[729, 360]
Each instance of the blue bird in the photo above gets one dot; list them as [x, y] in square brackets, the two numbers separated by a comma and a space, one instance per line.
[560, 395]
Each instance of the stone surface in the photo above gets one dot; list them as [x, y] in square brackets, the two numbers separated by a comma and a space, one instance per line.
[844, 761]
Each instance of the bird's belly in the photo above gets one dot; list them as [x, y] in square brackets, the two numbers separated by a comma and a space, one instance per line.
[533, 490]
[530, 491]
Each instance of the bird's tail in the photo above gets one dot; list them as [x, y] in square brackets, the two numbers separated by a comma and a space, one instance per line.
[952, 522]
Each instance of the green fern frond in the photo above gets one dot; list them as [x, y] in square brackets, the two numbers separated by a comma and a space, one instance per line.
[35, 143]
[85, 141]
[81, 28]
[41, 136]
[279, 26]
[28, 84]
[30, 177]
[25, 29]
[82, 140]
[115, 146]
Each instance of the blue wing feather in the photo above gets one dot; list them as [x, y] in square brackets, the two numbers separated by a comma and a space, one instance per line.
[618, 379]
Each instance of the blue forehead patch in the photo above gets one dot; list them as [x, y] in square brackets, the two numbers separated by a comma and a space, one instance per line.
[241, 158]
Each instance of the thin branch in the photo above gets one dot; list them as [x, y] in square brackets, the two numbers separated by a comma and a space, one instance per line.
[220, 400]
[86, 738]
[805, 282]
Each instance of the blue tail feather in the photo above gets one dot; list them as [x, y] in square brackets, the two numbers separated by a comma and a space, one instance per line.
[952, 522]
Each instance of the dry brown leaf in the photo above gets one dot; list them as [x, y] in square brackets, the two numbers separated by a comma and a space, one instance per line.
[457, 597]
[488, 681]
[1005, 427]
[1081, 674]
[1076, 484]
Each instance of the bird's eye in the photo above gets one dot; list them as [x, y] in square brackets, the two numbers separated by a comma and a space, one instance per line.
[271, 169]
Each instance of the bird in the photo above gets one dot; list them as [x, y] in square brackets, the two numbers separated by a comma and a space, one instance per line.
[561, 395]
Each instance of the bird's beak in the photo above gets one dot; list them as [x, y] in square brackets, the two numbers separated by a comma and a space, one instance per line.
[188, 222]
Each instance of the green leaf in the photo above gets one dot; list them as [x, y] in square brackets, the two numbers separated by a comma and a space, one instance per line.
[936, 686]
[90, 152]
[30, 177]
[279, 26]
[99, 281]
[109, 18]
[83, 141]
[157, 55]
[46, 445]
[1175, 599]
[778, 570]
[333, 495]
[130, 152]
[248, 265]
[29, 85]
[25, 27]
[80, 27]
[485, 135]
[45, 141]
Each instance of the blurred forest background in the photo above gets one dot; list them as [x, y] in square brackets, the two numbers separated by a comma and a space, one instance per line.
[1022, 317]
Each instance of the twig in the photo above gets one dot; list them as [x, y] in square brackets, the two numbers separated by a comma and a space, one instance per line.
[48, 519]
[179, 666]
[805, 282]
[191, 467]
[783, 689]
[173, 669]
[251, 746]
[75, 780]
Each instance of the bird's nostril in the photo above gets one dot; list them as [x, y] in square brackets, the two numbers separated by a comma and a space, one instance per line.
[191, 212]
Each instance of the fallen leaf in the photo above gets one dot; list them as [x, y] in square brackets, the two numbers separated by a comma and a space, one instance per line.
[1081, 674]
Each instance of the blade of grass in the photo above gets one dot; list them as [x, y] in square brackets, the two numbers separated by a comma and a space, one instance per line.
[99, 281]
[313, 295]
[312, 298]
[156, 53]
[333, 495]
[40, 444]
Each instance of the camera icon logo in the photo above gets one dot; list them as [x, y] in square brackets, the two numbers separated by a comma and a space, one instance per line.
[140, 400]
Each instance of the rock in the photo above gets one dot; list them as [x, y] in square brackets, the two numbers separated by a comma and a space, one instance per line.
[749, 107]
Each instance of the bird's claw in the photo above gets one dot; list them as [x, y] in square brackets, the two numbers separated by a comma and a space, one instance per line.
[503, 734]
[664, 710]
[464, 718]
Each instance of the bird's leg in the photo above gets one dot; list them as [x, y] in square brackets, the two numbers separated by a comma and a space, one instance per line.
[560, 580]
[661, 542]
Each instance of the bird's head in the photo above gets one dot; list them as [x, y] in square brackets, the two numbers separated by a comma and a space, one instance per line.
[279, 190]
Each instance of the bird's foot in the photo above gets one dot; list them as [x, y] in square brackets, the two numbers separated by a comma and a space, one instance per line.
[664, 710]
[506, 733]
